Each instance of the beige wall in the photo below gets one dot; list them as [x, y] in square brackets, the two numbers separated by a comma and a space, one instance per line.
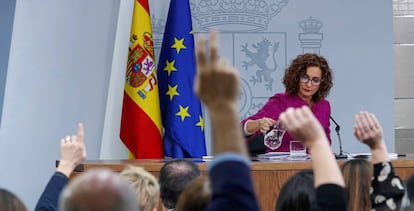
[404, 75]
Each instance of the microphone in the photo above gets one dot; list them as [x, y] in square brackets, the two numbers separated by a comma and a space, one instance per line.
[337, 128]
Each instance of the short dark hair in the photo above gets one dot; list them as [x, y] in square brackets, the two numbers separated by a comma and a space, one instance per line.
[410, 188]
[196, 196]
[298, 193]
[298, 68]
[174, 176]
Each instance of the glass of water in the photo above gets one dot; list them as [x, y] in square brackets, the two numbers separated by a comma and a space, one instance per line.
[297, 149]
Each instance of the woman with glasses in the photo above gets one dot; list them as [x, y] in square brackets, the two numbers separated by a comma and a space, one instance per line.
[307, 80]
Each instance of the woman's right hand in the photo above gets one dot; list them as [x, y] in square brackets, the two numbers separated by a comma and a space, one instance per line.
[302, 124]
[264, 124]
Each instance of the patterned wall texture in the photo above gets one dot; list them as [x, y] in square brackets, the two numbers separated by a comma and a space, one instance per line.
[403, 7]
[403, 11]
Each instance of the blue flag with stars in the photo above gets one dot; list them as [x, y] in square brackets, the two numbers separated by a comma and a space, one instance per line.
[180, 109]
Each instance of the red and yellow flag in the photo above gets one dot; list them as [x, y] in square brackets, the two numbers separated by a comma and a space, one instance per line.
[141, 126]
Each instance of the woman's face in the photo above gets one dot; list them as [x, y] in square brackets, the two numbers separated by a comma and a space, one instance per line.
[309, 83]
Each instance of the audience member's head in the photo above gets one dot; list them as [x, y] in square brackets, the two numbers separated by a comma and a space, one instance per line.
[196, 196]
[98, 189]
[298, 193]
[145, 185]
[410, 188]
[357, 175]
[174, 176]
[407, 203]
[10, 202]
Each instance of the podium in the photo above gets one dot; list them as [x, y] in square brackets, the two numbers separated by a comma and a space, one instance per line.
[268, 176]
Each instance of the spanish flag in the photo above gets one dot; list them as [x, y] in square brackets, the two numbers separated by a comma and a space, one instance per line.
[141, 126]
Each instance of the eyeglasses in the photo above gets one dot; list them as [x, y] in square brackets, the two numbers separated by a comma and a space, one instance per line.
[314, 81]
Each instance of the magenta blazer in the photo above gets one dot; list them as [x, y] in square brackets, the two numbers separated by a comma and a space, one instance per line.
[279, 103]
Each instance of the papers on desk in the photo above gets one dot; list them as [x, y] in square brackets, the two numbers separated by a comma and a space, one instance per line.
[207, 158]
[280, 156]
[270, 156]
[274, 155]
[391, 156]
[285, 156]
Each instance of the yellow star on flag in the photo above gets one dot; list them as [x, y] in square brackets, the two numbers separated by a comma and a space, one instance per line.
[178, 44]
[183, 113]
[172, 91]
[169, 66]
[200, 123]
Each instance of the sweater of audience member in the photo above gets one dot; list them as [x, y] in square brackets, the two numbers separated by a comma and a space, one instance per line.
[50, 196]
[231, 184]
[388, 189]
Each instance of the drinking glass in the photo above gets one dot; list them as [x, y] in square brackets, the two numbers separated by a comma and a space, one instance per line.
[297, 149]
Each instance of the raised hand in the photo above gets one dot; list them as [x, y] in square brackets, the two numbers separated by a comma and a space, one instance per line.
[368, 130]
[217, 85]
[302, 124]
[216, 81]
[72, 152]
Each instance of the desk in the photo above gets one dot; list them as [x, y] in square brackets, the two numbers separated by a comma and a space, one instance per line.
[268, 176]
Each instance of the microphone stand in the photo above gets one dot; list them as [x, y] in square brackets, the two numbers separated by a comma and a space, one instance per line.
[341, 156]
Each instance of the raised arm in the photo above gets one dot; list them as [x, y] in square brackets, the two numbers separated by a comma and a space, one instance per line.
[72, 153]
[387, 189]
[368, 130]
[217, 85]
[303, 125]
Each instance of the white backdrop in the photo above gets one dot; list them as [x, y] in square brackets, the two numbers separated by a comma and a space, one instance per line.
[67, 63]
[358, 48]
[58, 74]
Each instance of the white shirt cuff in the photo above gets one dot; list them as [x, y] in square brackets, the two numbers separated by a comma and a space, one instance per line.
[246, 133]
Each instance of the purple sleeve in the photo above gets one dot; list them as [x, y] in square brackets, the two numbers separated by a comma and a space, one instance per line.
[322, 111]
[281, 101]
[327, 123]
[271, 109]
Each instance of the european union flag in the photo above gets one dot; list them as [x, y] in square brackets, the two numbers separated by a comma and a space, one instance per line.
[180, 109]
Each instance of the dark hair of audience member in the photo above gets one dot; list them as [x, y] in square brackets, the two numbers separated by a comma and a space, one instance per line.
[357, 175]
[174, 176]
[196, 196]
[298, 193]
[10, 202]
[409, 185]
[410, 188]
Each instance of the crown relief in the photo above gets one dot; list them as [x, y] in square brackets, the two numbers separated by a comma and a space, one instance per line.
[235, 15]
[310, 25]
